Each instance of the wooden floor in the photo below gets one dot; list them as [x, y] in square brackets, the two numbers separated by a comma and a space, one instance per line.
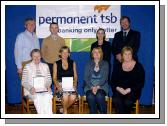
[16, 109]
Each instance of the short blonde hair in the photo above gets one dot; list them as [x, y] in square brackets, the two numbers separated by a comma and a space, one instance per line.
[100, 52]
[125, 49]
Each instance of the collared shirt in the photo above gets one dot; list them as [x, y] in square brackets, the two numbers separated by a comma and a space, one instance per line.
[127, 31]
[25, 43]
[50, 48]
[54, 37]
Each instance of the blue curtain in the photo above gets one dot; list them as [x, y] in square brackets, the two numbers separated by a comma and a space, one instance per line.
[142, 19]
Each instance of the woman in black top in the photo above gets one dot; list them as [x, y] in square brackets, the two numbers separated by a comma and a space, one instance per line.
[103, 44]
[65, 67]
[127, 82]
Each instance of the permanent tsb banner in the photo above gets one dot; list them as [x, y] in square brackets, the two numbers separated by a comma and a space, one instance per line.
[78, 21]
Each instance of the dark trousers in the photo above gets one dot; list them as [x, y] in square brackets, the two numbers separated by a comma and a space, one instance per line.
[96, 102]
[123, 103]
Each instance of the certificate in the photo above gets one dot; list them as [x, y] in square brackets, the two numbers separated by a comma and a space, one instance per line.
[67, 84]
[39, 84]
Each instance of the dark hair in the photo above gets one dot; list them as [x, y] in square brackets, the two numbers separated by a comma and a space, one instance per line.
[53, 23]
[101, 29]
[35, 50]
[125, 17]
[29, 19]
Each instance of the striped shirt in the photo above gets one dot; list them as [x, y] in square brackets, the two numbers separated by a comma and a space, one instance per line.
[30, 71]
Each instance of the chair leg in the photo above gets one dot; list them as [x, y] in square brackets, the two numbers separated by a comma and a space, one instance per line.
[53, 105]
[28, 107]
[82, 105]
[22, 106]
[110, 105]
[79, 107]
[137, 107]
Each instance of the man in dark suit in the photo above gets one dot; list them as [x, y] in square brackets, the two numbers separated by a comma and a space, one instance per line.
[126, 37]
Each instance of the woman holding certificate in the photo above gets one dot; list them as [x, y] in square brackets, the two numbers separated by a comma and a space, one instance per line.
[96, 82]
[65, 79]
[36, 81]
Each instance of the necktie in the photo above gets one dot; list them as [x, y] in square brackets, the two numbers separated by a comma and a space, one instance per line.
[124, 36]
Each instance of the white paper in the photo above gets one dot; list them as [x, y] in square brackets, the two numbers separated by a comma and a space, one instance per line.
[67, 84]
[39, 84]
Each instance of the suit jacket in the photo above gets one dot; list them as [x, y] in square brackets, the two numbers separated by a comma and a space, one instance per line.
[106, 48]
[132, 40]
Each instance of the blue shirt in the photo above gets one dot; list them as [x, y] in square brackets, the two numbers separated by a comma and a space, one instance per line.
[96, 77]
[25, 43]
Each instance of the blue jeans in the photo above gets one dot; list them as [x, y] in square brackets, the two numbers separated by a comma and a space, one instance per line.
[96, 102]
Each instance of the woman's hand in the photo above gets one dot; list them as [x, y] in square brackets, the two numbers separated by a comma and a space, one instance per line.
[59, 88]
[121, 90]
[94, 90]
[49, 89]
[128, 90]
[75, 88]
[32, 91]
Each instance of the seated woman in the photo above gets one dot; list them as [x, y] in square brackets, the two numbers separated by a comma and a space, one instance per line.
[96, 82]
[65, 67]
[34, 73]
[127, 82]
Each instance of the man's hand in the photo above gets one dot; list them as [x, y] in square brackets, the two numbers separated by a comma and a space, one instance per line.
[119, 57]
[19, 71]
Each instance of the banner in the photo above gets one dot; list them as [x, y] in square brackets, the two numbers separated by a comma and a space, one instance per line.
[78, 21]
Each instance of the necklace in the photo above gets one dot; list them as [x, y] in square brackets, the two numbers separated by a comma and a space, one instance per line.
[128, 66]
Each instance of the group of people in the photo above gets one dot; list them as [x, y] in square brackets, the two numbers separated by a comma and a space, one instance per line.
[126, 79]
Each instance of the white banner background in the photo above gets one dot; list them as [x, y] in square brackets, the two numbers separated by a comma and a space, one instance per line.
[78, 21]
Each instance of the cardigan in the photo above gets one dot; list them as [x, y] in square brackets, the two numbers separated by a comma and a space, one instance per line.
[104, 71]
[29, 72]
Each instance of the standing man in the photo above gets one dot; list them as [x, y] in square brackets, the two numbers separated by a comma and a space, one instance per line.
[25, 43]
[126, 37]
[51, 46]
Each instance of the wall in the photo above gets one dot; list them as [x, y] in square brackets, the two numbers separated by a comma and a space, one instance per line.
[142, 18]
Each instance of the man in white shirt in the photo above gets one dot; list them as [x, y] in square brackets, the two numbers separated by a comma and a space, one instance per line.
[25, 43]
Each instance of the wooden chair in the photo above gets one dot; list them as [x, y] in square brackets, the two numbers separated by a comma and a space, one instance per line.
[57, 104]
[84, 104]
[28, 104]
[136, 106]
